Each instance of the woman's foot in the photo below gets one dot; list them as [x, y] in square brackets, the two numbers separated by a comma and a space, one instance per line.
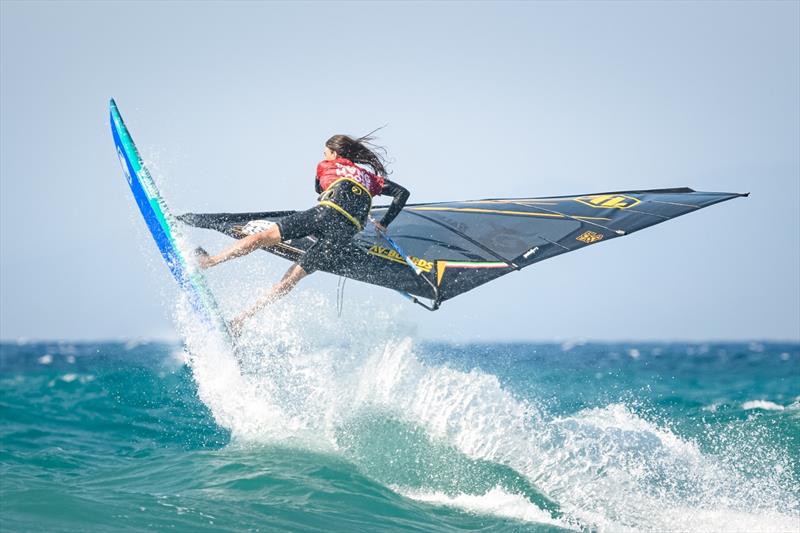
[203, 259]
[235, 326]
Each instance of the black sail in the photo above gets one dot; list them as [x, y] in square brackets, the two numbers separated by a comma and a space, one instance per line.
[461, 245]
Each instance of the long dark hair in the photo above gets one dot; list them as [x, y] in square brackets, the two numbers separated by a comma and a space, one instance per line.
[360, 150]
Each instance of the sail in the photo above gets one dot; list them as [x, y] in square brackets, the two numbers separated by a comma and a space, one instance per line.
[461, 245]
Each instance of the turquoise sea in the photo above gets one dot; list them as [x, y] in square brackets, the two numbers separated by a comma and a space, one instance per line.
[388, 434]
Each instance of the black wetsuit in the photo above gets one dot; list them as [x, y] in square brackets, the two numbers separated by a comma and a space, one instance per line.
[333, 229]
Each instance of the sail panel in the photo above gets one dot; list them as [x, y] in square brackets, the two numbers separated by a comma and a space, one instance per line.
[461, 245]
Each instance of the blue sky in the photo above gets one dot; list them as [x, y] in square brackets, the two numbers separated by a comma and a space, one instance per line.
[230, 104]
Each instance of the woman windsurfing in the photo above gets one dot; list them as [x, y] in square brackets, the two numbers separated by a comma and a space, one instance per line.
[346, 189]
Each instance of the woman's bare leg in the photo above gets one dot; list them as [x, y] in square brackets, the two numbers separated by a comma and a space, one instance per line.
[279, 290]
[287, 282]
[268, 237]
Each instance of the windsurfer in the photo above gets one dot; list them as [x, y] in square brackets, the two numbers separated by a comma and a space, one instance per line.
[346, 189]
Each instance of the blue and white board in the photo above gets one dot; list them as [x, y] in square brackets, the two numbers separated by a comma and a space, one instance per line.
[163, 227]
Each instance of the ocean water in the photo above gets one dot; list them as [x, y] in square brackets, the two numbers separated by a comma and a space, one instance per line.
[376, 431]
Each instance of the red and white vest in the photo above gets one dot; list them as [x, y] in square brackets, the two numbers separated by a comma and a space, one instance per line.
[329, 172]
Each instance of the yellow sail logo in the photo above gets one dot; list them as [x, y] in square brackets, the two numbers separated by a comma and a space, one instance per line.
[589, 237]
[392, 255]
[605, 201]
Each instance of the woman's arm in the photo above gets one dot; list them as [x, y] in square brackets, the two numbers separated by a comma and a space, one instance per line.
[400, 195]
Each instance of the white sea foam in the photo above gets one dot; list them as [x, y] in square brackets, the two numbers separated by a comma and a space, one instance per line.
[728, 520]
[70, 377]
[762, 404]
[496, 502]
[132, 344]
[236, 403]
[608, 468]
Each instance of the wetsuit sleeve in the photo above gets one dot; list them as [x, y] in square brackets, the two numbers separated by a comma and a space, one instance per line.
[400, 195]
[320, 170]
